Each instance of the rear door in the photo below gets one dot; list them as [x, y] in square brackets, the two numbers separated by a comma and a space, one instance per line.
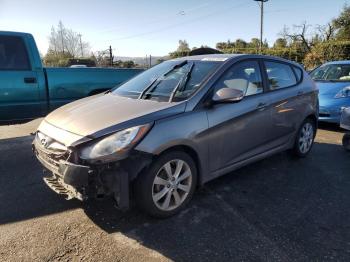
[239, 131]
[286, 100]
[19, 92]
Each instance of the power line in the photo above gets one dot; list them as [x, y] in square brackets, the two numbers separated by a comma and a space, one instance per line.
[178, 24]
[165, 17]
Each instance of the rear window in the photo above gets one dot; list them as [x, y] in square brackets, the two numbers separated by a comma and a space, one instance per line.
[280, 75]
[13, 54]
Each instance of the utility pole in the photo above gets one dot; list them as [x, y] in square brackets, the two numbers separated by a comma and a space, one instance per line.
[110, 56]
[60, 25]
[150, 61]
[261, 22]
[81, 45]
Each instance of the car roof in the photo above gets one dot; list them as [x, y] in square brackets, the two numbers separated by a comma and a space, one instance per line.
[209, 57]
[340, 62]
[12, 33]
[227, 57]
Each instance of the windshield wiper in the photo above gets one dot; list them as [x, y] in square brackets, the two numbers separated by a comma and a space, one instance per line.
[158, 80]
[180, 86]
[147, 88]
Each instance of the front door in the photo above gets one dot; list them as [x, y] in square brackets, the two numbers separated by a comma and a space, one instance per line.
[19, 90]
[239, 130]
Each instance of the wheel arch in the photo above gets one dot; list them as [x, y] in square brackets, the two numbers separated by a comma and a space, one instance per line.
[313, 117]
[192, 153]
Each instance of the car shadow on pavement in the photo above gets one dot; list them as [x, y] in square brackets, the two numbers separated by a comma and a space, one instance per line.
[23, 194]
[280, 208]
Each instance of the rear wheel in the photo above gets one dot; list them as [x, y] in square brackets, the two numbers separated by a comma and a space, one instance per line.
[305, 138]
[346, 142]
[168, 185]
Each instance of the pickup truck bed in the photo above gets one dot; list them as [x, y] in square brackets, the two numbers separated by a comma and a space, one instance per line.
[69, 84]
[28, 90]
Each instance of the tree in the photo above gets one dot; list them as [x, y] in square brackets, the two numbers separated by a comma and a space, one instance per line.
[240, 43]
[254, 43]
[183, 47]
[102, 58]
[65, 40]
[128, 64]
[298, 36]
[302, 43]
[280, 43]
[327, 51]
[342, 24]
[225, 45]
[182, 50]
[56, 58]
[326, 32]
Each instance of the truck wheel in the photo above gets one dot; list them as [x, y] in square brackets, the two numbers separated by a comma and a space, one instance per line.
[168, 185]
[346, 142]
[305, 138]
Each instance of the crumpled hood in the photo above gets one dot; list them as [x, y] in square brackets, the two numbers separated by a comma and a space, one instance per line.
[101, 114]
[330, 89]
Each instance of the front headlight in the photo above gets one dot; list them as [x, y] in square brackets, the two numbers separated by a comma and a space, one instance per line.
[115, 145]
[345, 92]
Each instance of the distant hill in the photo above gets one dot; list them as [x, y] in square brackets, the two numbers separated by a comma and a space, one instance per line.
[141, 60]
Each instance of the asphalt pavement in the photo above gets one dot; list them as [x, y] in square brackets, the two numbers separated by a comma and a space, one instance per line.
[278, 209]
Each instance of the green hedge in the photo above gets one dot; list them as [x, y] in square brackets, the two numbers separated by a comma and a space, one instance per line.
[325, 52]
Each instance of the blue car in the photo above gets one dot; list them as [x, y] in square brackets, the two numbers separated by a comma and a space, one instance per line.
[333, 81]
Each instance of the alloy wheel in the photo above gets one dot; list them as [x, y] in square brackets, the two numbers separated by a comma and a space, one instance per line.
[171, 185]
[306, 138]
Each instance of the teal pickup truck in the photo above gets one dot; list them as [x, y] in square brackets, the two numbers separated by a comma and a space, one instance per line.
[28, 90]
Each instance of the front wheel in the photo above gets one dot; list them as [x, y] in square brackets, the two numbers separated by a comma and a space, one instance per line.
[168, 185]
[305, 138]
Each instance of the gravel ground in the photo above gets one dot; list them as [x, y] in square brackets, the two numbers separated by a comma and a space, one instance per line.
[278, 209]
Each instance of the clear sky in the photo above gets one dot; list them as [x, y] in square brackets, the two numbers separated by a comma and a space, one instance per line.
[137, 28]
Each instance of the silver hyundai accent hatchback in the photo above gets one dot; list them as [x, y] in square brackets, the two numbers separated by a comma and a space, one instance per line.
[176, 126]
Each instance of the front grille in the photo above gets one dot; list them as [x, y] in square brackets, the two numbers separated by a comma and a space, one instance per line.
[49, 152]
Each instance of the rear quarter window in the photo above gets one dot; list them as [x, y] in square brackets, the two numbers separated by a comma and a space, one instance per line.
[280, 75]
[298, 73]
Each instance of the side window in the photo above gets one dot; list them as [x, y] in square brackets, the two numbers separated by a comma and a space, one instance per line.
[280, 75]
[13, 54]
[244, 76]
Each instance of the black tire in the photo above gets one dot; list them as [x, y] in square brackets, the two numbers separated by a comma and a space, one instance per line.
[346, 142]
[145, 187]
[297, 149]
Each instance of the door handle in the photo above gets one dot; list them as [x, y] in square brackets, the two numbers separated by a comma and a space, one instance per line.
[261, 106]
[30, 80]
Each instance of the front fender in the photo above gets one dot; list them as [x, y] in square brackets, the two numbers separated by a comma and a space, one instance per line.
[186, 129]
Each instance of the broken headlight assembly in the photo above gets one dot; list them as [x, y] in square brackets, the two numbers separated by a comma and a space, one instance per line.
[115, 146]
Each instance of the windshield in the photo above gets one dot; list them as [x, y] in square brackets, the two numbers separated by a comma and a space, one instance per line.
[336, 73]
[171, 80]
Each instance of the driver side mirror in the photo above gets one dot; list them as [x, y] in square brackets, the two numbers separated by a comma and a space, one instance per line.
[227, 95]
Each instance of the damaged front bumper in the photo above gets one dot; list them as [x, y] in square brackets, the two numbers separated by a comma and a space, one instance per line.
[83, 181]
[71, 180]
